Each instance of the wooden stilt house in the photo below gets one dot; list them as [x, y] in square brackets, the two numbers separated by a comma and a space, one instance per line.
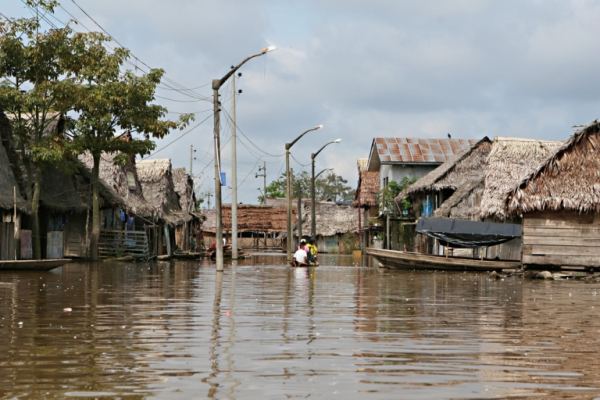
[156, 177]
[366, 200]
[10, 196]
[259, 226]
[186, 235]
[510, 161]
[131, 213]
[559, 203]
[336, 227]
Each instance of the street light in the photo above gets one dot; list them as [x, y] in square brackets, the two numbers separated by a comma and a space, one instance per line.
[216, 85]
[326, 169]
[288, 189]
[313, 223]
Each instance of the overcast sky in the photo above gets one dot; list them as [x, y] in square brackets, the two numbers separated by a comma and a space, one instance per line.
[363, 69]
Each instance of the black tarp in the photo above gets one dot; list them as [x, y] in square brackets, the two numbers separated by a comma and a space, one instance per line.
[467, 234]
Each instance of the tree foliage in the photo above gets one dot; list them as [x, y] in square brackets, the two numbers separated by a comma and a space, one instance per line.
[48, 74]
[33, 66]
[331, 186]
[388, 195]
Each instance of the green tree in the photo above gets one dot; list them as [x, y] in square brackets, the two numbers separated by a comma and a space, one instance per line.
[107, 101]
[330, 186]
[33, 64]
[388, 195]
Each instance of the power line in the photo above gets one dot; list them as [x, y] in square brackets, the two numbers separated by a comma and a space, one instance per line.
[178, 87]
[170, 143]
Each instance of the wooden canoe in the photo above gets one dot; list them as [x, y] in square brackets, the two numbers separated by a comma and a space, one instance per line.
[406, 260]
[32, 265]
[296, 264]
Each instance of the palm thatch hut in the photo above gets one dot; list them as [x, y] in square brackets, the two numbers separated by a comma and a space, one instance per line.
[123, 182]
[509, 162]
[186, 235]
[156, 177]
[336, 227]
[259, 226]
[559, 201]
[10, 196]
[366, 199]
[452, 190]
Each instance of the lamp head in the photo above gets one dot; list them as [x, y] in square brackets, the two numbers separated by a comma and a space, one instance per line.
[268, 49]
[319, 127]
[337, 140]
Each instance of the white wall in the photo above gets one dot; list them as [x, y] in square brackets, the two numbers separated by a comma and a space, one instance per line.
[396, 172]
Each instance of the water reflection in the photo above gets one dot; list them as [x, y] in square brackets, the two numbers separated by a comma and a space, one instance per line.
[179, 330]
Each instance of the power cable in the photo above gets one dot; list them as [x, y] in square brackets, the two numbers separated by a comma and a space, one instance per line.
[170, 143]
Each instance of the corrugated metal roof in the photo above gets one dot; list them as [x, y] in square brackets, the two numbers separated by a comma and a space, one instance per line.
[420, 150]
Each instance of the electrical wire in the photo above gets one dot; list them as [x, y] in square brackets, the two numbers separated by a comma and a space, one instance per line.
[170, 143]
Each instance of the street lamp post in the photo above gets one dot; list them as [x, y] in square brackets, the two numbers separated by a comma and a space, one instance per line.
[288, 189]
[216, 85]
[313, 223]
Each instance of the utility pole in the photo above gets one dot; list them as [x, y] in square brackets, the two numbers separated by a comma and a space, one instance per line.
[208, 195]
[192, 151]
[299, 213]
[234, 214]
[264, 175]
[216, 85]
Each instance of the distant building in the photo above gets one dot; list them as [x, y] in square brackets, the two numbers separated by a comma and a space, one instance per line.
[396, 158]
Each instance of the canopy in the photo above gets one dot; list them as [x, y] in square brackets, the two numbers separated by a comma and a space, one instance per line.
[467, 234]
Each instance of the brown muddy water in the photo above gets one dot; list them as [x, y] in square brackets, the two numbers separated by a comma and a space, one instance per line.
[179, 330]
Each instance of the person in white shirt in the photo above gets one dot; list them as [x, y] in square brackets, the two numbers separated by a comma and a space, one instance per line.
[300, 256]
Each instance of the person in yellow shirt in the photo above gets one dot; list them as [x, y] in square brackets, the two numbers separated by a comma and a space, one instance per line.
[312, 253]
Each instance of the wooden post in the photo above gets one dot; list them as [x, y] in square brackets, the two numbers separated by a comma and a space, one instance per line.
[421, 243]
[17, 223]
[481, 253]
[447, 247]
[159, 245]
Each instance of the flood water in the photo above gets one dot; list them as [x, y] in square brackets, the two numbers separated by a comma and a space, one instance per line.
[179, 330]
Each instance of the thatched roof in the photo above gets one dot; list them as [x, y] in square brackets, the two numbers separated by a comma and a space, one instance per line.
[251, 218]
[509, 162]
[7, 178]
[567, 180]
[368, 186]
[114, 177]
[362, 164]
[53, 124]
[156, 177]
[464, 202]
[331, 219]
[467, 166]
[184, 186]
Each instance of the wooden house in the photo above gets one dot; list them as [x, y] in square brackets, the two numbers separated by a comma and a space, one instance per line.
[558, 202]
[186, 235]
[366, 199]
[510, 161]
[452, 190]
[156, 177]
[123, 184]
[259, 226]
[336, 227]
[10, 196]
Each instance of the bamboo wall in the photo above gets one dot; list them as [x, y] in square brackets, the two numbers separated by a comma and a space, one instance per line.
[561, 238]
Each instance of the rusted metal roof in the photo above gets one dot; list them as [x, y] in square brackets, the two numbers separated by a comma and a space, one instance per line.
[420, 150]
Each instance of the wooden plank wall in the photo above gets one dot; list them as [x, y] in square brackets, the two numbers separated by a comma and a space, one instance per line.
[54, 245]
[7, 241]
[561, 238]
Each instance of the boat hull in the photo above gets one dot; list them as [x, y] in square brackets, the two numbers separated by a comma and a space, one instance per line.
[32, 265]
[405, 260]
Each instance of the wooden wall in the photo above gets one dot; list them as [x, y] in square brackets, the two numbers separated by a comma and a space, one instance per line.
[561, 238]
